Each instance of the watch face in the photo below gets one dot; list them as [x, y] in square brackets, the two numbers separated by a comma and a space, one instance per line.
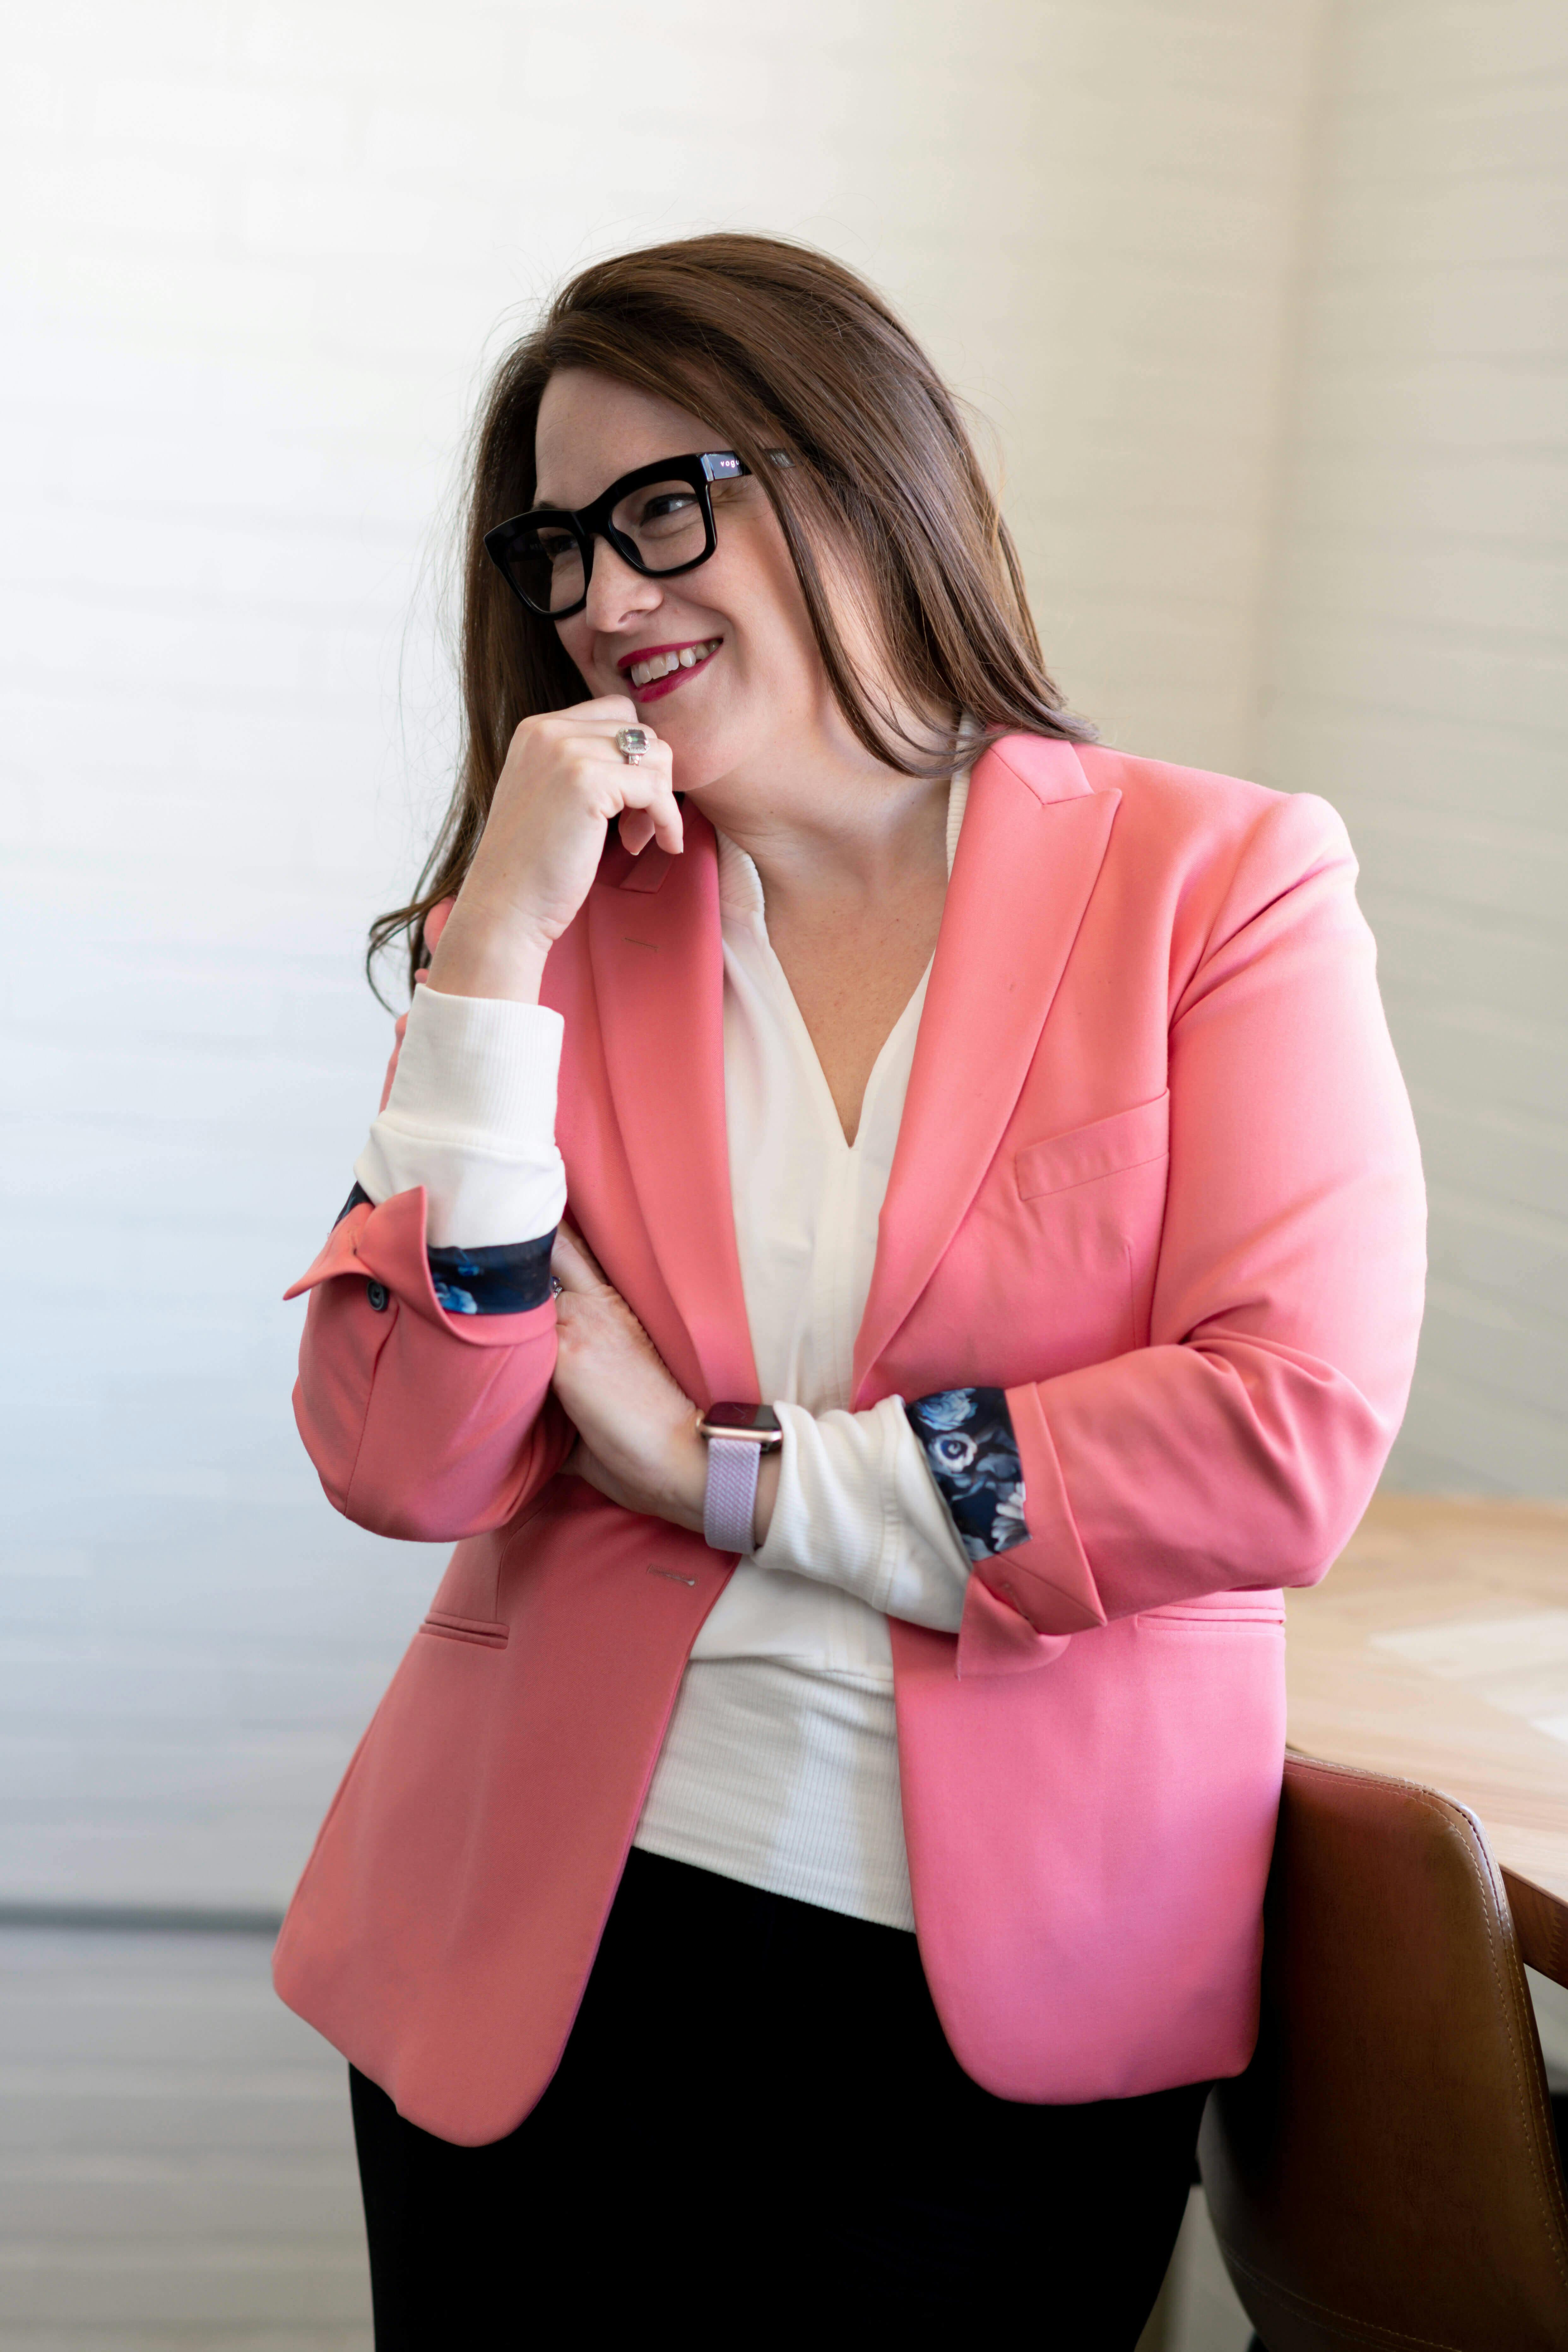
[741, 1416]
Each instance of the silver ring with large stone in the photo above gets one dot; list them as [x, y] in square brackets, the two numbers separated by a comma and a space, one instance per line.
[632, 743]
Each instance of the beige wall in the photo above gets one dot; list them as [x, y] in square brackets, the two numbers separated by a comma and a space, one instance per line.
[253, 259]
[1416, 660]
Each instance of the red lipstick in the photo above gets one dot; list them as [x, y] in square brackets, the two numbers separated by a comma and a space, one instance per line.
[652, 689]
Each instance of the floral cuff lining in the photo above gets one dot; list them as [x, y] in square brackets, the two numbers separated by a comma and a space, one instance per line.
[972, 1455]
[509, 1279]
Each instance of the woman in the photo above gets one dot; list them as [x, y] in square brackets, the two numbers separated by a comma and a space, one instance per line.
[810, 1860]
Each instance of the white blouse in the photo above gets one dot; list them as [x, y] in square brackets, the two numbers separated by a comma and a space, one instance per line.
[780, 1765]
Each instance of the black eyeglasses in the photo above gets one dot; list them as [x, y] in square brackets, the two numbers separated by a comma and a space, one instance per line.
[659, 520]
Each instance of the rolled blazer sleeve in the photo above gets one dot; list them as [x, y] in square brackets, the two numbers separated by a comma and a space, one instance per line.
[422, 1422]
[421, 1425]
[1239, 1448]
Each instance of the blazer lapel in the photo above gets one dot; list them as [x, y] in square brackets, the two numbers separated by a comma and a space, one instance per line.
[1034, 838]
[659, 976]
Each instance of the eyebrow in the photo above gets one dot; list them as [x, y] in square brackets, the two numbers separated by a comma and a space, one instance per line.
[562, 506]
[540, 497]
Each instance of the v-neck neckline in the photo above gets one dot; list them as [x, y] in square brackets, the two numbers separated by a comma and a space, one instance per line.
[741, 899]
[890, 1045]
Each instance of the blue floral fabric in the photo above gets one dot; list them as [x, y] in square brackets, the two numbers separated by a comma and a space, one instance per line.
[505, 1280]
[967, 1435]
[509, 1279]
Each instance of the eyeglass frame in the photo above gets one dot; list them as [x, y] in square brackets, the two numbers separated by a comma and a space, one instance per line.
[588, 524]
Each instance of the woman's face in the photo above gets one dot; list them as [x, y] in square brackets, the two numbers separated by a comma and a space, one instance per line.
[755, 684]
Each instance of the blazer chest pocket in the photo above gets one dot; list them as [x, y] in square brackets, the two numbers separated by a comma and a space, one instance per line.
[1090, 1210]
[1128, 1139]
[484, 1632]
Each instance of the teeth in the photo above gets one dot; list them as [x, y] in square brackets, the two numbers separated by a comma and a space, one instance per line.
[643, 673]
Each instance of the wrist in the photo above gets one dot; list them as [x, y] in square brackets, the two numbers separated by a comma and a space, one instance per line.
[687, 1477]
[487, 953]
[744, 1444]
[768, 1474]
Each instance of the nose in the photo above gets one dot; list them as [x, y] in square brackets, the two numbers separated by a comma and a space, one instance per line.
[618, 596]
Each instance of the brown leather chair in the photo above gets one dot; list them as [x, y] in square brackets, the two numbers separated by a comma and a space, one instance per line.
[1385, 2173]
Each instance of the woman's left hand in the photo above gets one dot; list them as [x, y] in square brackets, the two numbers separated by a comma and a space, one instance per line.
[637, 1432]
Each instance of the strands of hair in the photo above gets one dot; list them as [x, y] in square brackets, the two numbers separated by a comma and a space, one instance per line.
[782, 350]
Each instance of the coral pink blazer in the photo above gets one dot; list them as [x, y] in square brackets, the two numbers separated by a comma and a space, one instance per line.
[1157, 1178]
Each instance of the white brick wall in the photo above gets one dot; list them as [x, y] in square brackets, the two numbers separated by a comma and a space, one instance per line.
[1418, 661]
[255, 259]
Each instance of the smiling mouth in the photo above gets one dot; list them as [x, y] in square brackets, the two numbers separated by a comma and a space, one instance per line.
[669, 666]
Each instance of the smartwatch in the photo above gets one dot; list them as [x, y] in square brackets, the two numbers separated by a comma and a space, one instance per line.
[738, 1436]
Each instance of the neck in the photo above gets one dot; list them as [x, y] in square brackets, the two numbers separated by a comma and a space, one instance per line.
[827, 822]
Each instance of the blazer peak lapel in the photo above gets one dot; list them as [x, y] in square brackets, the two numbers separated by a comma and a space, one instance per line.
[1034, 839]
[658, 978]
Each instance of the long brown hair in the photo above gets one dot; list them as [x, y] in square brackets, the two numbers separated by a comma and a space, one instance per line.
[781, 350]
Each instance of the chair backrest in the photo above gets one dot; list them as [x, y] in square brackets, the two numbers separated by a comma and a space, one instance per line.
[1385, 2172]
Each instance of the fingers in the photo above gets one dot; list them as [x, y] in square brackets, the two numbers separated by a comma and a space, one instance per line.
[573, 1265]
[639, 793]
[649, 810]
[619, 710]
[601, 716]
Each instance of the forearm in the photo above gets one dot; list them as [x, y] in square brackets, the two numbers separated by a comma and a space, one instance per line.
[856, 1506]
[430, 1341]
[421, 1424]
[470, 1116]
[848, 1498]
[488, 953]
[1215, 1465]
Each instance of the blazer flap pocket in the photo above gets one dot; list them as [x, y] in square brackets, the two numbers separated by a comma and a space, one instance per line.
[1126, 1139]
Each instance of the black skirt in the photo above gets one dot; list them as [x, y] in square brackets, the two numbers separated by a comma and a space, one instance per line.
[757, 2125]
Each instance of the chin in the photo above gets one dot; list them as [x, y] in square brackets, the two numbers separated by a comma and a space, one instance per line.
[703, 756]
[694, 775]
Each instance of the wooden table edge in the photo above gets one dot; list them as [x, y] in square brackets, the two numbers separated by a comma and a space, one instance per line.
[1541, 1924]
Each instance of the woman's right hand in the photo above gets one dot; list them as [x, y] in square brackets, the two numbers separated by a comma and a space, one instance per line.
[562, 782]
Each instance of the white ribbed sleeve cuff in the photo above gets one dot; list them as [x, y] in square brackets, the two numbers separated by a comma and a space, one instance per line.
[471, 1117]
[857, 1507]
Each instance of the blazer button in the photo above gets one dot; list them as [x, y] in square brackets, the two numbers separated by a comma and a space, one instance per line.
[376, 1292]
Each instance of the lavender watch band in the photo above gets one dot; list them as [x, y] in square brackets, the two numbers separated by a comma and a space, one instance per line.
[729, 1505]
